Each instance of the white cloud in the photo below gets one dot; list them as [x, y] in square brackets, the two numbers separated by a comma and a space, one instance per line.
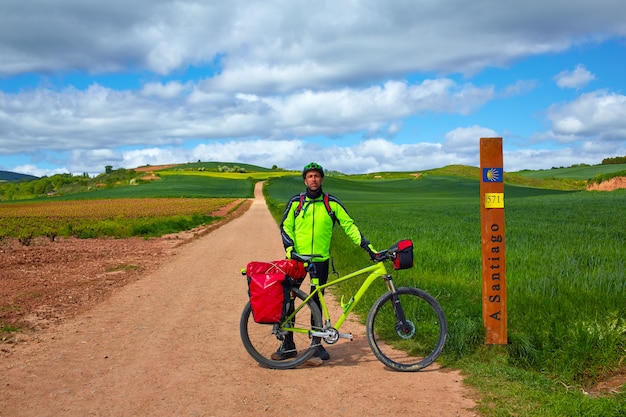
[372, 155]
[577, 78]
[519, 87]
[172, 89]
[597, 115]
[293, 44]
[168, 114]
[462, 141]
[34, 170]
[280, 70]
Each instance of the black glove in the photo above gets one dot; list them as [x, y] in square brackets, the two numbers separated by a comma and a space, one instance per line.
[370, 250]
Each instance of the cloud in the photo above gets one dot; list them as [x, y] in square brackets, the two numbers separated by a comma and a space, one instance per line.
[577, 78]
[279, 74]
[34, 170]
[465, 141]
[597, 116]
[274, 45]
[518, 88]
[171, 113]
[169, 90]
[372, 155]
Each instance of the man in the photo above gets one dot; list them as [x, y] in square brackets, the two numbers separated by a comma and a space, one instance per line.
[307, 228]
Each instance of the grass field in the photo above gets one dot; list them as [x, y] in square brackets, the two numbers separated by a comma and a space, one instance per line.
[566, 256]
[576, 173]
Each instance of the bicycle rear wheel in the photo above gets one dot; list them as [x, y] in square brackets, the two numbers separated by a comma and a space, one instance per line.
[262, 340]
[409, 347]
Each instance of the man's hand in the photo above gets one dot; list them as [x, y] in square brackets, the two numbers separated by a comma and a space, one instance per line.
[371, 251]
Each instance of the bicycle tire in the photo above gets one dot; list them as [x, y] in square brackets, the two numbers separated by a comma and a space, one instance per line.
[407, 351]
[261, 340]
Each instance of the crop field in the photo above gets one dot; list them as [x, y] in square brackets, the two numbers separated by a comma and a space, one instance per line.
[106, 217]
[566, 285]
[173, 186]
[225, 175]
[576, 173]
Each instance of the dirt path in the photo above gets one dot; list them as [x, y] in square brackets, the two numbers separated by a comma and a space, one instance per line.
[168, 345]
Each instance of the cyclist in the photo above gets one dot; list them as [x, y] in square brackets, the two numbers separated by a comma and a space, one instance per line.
[306, 228]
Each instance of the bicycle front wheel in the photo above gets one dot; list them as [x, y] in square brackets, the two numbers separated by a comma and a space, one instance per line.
[407, 329]
[263, 340]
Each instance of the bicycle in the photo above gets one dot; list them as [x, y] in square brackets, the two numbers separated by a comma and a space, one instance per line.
[406, 327]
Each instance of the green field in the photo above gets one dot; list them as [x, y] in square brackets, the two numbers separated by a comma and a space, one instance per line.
[176, 186]
[566, 284]
[566, 257]
[585, 172]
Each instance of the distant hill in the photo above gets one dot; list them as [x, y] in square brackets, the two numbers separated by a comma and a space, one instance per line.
[575, 172]
[208, 166]
[14, 176]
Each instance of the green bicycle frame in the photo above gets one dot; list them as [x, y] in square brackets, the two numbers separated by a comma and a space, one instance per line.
[375, 271]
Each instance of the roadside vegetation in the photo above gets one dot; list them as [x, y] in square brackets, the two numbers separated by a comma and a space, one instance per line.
[566, 257]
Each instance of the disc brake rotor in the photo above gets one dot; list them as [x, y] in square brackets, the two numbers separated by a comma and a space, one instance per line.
[405, 331]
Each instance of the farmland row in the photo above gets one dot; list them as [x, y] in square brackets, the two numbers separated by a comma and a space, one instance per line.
[110, 217]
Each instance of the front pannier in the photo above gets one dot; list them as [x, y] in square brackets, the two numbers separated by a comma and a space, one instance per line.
[269, 285]
[402, 254]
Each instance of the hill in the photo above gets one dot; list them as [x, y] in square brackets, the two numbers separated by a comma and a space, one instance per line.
[228, 179]
[575, 172]
[14, 176]
[206, 166]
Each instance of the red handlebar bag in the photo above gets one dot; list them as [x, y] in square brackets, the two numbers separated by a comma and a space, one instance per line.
[269, 285]
[402, 254]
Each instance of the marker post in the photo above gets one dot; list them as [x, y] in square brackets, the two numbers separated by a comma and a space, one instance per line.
[493, 241]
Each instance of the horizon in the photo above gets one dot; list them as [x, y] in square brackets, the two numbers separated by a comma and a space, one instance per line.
[361, 87]
[174, 164]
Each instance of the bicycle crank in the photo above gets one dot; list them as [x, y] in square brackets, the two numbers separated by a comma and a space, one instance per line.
[331, 336]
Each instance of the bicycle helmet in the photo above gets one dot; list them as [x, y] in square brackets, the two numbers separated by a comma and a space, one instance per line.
[313, 167]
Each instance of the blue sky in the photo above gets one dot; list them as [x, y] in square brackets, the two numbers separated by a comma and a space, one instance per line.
[358, 86]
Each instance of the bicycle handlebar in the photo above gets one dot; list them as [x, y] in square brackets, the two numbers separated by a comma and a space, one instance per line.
[304, 258]
[378, 257]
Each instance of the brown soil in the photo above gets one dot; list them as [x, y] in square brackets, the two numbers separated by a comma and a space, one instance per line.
[136, 327]
[154, 167]
[609, 185]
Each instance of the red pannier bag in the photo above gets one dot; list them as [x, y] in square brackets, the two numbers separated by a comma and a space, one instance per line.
[402, 254]
[269, 284]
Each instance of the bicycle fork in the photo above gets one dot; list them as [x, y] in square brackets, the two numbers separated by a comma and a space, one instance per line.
[403, 327]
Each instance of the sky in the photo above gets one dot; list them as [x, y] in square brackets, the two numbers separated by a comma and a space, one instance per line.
[357, 86]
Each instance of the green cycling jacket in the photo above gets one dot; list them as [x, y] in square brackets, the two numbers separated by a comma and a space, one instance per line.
[311, 230]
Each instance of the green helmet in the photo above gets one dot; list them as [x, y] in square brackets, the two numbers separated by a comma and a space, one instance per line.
[313, 167]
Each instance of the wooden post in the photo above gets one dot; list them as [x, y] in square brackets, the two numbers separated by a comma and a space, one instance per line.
[493, 241]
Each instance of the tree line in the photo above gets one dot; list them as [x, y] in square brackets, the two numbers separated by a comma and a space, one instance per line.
[616, 160]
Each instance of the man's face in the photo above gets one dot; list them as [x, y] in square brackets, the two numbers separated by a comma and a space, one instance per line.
[313, 180]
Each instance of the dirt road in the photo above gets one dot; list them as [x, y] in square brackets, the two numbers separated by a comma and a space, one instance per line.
[168, 345]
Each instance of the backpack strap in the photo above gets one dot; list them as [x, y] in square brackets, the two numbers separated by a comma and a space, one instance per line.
[331, 213]
[329, 210]
[299, 208]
